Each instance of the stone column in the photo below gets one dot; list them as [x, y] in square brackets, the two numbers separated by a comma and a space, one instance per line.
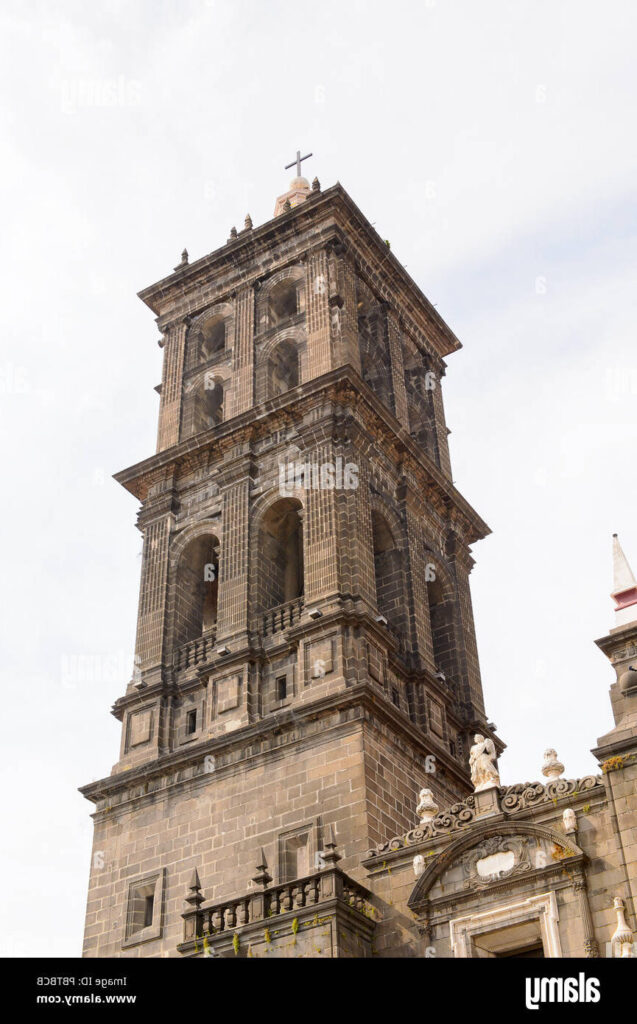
[467, 648]
[318, 317]
[243, 353]
[172, 385]
[591, 947]
[343, 312]
[416, 576]
[233, 602]
[397, 368]
[355, 543]
[442, 439]
[157, 522]
[319, 528]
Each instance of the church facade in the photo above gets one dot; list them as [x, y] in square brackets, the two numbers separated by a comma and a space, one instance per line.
[306, 764]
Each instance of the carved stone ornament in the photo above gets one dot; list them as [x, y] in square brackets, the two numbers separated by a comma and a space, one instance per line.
[419, 865]
[622, 937]
[453, 819]
[427, 808]
[569, 820]
[552, 767]
[496, 858]
[529, 794]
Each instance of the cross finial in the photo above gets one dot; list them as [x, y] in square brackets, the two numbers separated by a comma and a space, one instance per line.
[299, 160]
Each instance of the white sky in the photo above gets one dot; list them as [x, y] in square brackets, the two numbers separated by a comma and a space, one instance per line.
[494, 145]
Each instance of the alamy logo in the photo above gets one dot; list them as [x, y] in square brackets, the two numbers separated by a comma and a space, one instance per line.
[561, 990]
[329, 476]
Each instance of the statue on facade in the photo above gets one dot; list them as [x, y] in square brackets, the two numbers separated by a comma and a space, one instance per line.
[482, 757]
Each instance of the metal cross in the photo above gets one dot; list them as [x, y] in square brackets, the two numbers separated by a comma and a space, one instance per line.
[298, 162]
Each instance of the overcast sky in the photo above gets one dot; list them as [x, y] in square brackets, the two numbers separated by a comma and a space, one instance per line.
[494, 145]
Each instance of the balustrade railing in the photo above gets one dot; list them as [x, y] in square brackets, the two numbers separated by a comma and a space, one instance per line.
[195, 652]
[275, 620]
[263, 904]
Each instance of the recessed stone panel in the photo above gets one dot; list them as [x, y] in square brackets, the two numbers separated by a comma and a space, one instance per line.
[227, 694]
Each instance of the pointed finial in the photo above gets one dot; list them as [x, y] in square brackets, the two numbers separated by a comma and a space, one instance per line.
[233, 232]
[624, 591]
[195, 896]
[248, 222]
[330, 855]
[184, 260]
[262, 877]
[316, 185]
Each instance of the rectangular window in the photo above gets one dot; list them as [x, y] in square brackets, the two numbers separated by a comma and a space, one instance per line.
[395, 696]
[191, 722]
[143, 910]
[295, 854]
[281, 687]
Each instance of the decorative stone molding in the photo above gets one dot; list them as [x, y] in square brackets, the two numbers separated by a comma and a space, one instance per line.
[461, 849]
[496, 858]
[456, 817]
[542, 908]
[529, 794]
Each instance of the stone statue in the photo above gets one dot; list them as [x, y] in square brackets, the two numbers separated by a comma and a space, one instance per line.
[568, 820]
[484, 773]
[427, 807]
[419, 865]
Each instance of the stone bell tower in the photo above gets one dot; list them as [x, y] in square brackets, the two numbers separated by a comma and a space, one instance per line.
[305, 655]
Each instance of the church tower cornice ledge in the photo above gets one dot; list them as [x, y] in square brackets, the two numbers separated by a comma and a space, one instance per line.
[350, 709]
[345, 388]
[232, 266]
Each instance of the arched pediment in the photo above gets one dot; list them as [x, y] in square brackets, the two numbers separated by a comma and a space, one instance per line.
[474, 848]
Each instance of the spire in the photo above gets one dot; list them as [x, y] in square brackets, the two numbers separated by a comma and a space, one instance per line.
[624, 591]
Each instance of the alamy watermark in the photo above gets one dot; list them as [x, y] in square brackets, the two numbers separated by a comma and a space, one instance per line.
[328, 476]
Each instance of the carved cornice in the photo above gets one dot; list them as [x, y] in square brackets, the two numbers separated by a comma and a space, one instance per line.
[338, 711]
[346, 390]
[512, 799]
[331, 217]
[531, 794]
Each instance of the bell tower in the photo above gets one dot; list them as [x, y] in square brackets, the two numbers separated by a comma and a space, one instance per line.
[305, 658]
